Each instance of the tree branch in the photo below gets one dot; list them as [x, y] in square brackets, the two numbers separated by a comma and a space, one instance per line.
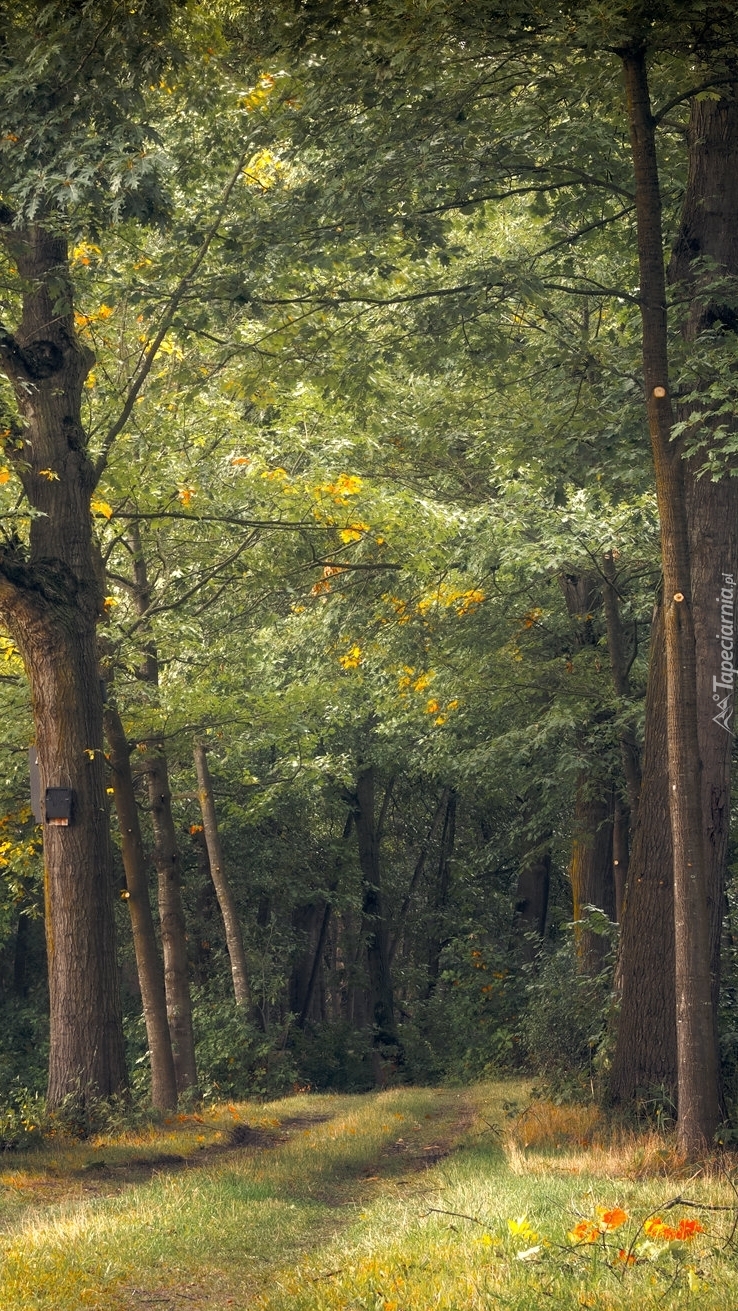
[167, 319]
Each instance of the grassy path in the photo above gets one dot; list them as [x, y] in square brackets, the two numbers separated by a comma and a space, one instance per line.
[398, 1201]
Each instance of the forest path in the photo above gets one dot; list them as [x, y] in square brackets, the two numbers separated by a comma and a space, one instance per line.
[211, 1210]
[411, 1199]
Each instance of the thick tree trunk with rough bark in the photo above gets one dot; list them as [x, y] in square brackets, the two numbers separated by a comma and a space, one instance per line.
[620, 666]
[709, 228]
[51, 597]
[223, 890]
[645, 1059]
[148, 962]
[708, 231]
[699, 1110]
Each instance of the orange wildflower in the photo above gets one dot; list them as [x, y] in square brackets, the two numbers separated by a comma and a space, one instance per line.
[584, 1232]
[611, 1217]
[626, 1257]
[655, 1228]
[686, 1229]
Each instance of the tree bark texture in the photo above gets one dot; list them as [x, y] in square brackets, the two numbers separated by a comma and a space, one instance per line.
[51, 597]
[148, 962]
[616, 646]
[223, 890]
[644, 1060]
[709, 232]
[699, 1110]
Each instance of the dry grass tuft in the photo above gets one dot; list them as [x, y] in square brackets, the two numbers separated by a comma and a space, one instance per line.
[579, 1139]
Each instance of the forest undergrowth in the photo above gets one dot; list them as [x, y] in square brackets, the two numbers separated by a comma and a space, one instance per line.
[406, 1198]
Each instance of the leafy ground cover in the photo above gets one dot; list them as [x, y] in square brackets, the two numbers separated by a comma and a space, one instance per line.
[407, 1198]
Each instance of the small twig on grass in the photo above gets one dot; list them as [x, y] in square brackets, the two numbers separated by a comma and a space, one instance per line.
[491, 1128]
[460, 1215]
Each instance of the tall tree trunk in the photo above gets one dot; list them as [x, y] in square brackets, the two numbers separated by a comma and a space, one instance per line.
[420, 864]
[148, 963]
[699, 1109]
[166, 860]
[531, 897]
[620, 853]
[51, 597]
[629, 749]
[305, 976]
[645, 1057]
[223, 890]
[591, 869]
[315, 967]
[374, 921]
[437, 938]
[706, 249]
[171, 916]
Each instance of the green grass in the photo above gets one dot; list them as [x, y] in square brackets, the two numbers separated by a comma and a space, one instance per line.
[337, 1204]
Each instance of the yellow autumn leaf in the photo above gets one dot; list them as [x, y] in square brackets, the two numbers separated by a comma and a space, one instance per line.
[50, 475]
[102, 507]
[352, 659]
[186, 494]
[354, 532]
[83, 253]
[262, 170]
[5, 476]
